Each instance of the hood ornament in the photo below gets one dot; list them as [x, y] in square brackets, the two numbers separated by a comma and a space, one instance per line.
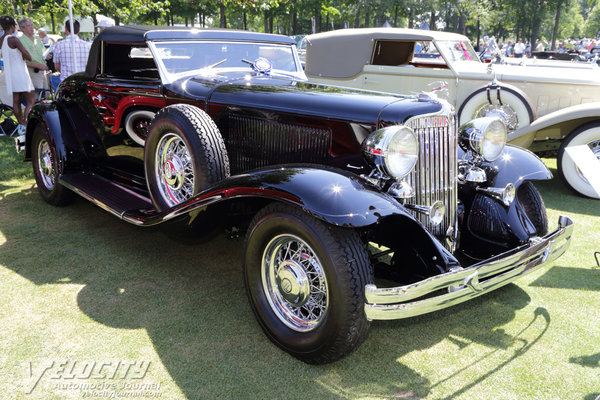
[261, 65]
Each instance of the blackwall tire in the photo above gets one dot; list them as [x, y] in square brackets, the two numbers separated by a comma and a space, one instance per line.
[514, 107]
[46, 169]
[137, 123]
[310, 300]
[533, 204]
[184, 154]
[587, 134]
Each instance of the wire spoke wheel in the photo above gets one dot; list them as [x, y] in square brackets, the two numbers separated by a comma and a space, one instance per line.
[174, 169]
[295, 283]
[45, 164]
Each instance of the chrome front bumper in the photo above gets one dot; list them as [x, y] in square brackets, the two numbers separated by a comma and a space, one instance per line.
[465, 284]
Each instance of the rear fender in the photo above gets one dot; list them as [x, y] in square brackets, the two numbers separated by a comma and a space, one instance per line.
[60, 132]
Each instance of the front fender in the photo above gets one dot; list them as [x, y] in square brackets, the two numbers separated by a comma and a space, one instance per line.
[515, 166]
[332, 195]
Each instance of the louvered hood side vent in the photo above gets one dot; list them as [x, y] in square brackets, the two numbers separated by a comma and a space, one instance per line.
[255, 143]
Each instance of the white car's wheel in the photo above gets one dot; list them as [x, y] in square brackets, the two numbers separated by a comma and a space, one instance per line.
[503, 101]
[588, 134]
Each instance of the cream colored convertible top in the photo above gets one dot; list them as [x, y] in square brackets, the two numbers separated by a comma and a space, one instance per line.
[324, 51]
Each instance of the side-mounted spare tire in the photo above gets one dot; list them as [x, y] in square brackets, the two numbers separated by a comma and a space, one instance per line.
[507, 102]
[184, 154]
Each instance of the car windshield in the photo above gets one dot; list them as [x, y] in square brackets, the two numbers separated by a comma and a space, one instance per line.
[457, 50]
[183, 58]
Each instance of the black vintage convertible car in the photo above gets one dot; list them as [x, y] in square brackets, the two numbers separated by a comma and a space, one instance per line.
[357, 206]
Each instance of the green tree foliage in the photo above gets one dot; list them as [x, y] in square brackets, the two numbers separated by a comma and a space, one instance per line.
[592, 25]
[504, 19]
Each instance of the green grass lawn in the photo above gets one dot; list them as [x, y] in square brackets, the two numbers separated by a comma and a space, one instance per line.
[84, 296]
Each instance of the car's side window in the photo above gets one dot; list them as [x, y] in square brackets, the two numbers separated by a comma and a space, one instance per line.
[125, 61]
[392, 52]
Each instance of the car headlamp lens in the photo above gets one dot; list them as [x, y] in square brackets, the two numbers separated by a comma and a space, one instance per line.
[393, 150]
[485, 136]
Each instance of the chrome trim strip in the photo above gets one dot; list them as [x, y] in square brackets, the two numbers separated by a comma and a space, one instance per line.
[468, 283]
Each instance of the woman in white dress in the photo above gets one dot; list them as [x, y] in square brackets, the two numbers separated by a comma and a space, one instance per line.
[18, 82]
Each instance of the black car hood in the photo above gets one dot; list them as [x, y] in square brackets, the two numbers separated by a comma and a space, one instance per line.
[304, 98]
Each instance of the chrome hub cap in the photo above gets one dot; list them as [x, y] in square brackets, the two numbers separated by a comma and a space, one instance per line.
[174, 170]
[294, 283]
[504, 112]
[45, 165]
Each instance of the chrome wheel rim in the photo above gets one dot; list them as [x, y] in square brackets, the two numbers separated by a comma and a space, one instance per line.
[45, 164]
[294, 282]
[174, 170]
[504, 112]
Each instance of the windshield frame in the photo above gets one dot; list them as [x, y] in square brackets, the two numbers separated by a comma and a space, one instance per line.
[470, 55]
[170, 77]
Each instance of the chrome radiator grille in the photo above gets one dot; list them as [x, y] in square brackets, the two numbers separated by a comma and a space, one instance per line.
[435, 175]
[254, 143]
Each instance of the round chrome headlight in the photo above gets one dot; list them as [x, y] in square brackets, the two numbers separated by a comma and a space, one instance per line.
[485, 136]
[393, 149]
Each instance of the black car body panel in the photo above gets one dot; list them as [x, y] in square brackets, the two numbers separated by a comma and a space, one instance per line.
[249, 143]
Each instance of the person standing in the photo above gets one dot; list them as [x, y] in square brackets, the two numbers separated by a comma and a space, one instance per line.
[18, 82]
[46, 40]
[519, 49]
[64, 49]
[37, 66]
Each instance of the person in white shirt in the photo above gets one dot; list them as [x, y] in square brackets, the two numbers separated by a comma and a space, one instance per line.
[519, 49]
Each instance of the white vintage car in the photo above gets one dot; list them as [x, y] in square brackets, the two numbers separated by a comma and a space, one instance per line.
[564, 95]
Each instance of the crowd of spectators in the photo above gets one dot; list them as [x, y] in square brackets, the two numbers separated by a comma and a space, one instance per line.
[518, 49]
[29, 57]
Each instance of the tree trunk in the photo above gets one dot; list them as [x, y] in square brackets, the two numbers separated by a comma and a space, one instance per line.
[396, 16]
[186, 21]
[411, 24]
[266, 21]
[555, 29]
[478, 35]
[270, 23]
[53, 22]
[245, 15]
[222, 16]
[357, 18]
[432, 20]
[295, 23]
[318, 20]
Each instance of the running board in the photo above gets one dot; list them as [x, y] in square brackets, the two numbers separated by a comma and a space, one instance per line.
[108, 195]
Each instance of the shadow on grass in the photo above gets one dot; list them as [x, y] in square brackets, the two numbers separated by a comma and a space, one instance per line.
[558, 196]
[592, 360]
[192, 303]
[569, 278]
